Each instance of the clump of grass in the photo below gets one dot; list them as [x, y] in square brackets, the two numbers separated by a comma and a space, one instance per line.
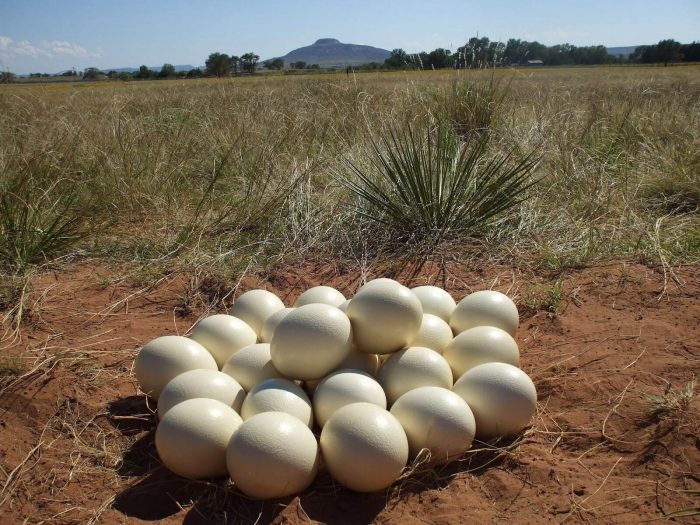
[470, 106]
[430, 186]
[548, 297]
[672, 404]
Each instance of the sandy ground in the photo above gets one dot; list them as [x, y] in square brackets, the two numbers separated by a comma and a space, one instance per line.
[603, 344]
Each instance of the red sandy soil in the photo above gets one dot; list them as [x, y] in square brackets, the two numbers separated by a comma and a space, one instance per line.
[76, 438]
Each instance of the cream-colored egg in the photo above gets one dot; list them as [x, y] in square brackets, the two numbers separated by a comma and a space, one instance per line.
[437, 419]
[411, 368]
[435, 301]
[501, 396]
[364, 447]
[485, 308]
[272, 455]
[343, 307]
[255, 306]
[322, 295]
[251, 365]
[192, 437]
[434, 333]
[479, 345]
[270, 324]
[209, 384]
[355, 360]
[385, 317]
[223, 335]
[343, 388]
[311, 341]
[278, 395]
[165, 357]
[379, 280]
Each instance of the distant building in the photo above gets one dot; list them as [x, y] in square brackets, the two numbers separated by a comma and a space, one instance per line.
[534, 63]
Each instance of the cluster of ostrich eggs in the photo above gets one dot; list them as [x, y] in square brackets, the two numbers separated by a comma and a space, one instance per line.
[270, 394]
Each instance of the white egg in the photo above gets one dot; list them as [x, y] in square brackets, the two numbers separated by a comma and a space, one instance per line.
[311, 341]
[278, 395]
[355, 360]
[385, 317]
[434, 333]
[379, 280]
[255, 306]
[223, 335]
[251, 365]
[485, 308]
[321, 294]
[364, 447]
[412, 368]
[209, 384]
[272, 455]
[435, 301]
[343, 388]
[437, 419]
[479, 345]
[192, 437]
[343, 307]
[271, 323]
[165, 357]
[501, 396]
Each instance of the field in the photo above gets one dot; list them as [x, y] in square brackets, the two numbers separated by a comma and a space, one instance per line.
[131, 210]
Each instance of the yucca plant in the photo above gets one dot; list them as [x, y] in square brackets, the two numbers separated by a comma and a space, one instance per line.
[430, 186]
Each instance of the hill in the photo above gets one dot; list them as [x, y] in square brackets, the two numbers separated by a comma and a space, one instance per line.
[329, 52]
[624, 51]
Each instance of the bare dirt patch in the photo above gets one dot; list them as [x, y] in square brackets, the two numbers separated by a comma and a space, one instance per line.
[614, 351]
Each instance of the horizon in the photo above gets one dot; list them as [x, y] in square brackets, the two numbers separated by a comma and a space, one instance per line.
[179, 33]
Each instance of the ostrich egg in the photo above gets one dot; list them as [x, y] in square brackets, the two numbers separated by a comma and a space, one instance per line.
[321, 294]
[434, 333]
[501, 396]
[251, 365]
[223, 335]
[343, 388]
[278, 395]
[479, 345]
[385, 317]
[343, 307]
[192, 436]
[437, 419]
[364, 447]
[485, 308]
[435, 301]
[270, 324]
[272, 455]
[254, 306]
[311, 341]
[412, 368]
[209, 384]
[165, 357]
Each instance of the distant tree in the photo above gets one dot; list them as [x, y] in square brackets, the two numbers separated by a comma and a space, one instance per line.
[235, 64]
[195, 73]
[249, 62]
[668, 51]
[313, 66]
[300, 64]
[218, 64]
[691, 52]
[275, 63]
[91, 73]
[437, 59]
[397, 60]
[144, 73]
[167, 71]
[6, 77]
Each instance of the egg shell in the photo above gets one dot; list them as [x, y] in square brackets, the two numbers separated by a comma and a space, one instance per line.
[165, 357]
[255, 306]
[434, 333]
[411, 368]
[311, 341]
[437, 419]
[321, 294]
[368, 363]
[485, 308]
[272, 455]
[209, 384]
[343, 307]
[364, 447]
[379, 280]
[343, 388]
[278, 395]
[435, 301]
[223, 335]
[479, 345]
[192, 437]
[501, 396]
[251, 365]
[385, 317]
[270, 324]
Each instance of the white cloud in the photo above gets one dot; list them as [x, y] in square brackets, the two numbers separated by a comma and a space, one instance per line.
[64, 48]
[5, 42]
[54, 48]
[26, 48]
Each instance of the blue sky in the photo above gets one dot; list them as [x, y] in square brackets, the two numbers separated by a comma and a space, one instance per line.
[50, 36]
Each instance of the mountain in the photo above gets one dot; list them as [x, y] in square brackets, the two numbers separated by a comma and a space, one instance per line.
[624, 51]
[329, 52]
